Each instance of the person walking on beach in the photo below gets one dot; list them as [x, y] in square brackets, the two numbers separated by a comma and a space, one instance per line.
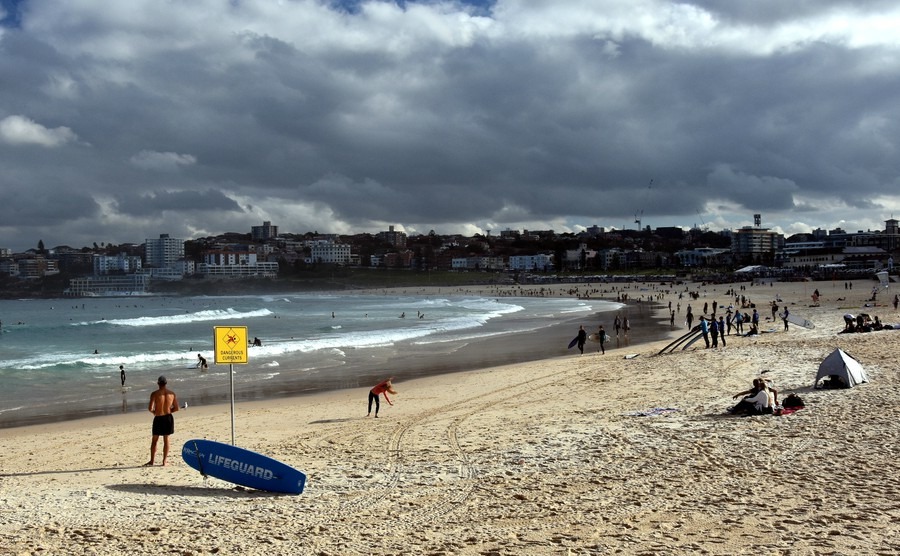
[722, 330]
[714, 332]
[163, 404]
[601, 337]
[122, 374]
[617, 324]
[381, 388]
[689, 318]
[582, 338]
[784, 317]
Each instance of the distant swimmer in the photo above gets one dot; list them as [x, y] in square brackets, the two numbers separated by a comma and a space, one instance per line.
[201, 362]
[403, 315]
[122, 374]
[382, 388]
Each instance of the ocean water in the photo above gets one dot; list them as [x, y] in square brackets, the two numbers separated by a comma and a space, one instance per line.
[60, 358]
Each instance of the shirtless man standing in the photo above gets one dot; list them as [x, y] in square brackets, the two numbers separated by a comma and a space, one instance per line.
[162, 404]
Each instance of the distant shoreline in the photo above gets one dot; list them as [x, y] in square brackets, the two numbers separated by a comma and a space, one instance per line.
[325, 279]
[545, 343]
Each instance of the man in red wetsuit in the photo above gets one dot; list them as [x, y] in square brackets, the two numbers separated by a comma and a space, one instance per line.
[374, 393]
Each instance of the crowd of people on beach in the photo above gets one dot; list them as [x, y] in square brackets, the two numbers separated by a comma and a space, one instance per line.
[621, 325]
[864, 323]
[741, 318]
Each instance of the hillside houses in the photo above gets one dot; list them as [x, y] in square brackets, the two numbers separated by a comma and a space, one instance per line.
[267, 252]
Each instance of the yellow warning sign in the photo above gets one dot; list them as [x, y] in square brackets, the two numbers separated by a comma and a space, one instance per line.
[230, 344]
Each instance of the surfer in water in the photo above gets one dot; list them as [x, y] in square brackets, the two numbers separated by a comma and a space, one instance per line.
[163, 404]
[382, 388]
[122, 374]
[201, 363]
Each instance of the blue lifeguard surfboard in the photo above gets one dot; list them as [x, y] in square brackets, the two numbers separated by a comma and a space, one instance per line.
[242, 467]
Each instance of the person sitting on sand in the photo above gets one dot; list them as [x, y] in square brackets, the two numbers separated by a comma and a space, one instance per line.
[759, 383]
[382, 388]
[758, 400]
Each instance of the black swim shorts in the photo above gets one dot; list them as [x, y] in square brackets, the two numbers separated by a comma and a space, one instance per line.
[163, 425]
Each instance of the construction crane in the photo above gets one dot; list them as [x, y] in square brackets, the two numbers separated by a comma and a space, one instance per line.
[638, 216]
[702, 223]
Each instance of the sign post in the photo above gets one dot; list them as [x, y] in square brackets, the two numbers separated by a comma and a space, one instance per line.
[230, 347]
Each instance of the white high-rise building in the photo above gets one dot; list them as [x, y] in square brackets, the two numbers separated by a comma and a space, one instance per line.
[163, 252]
[329, 252]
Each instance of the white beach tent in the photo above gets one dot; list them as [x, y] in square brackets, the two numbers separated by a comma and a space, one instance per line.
[844, 366]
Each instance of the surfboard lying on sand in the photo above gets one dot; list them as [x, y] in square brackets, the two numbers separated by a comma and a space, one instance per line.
[800, 321]
[242, 467]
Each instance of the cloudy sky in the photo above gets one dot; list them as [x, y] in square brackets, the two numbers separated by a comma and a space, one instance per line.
[123, 120]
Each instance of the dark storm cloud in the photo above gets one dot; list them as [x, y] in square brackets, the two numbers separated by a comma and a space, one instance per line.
[446, 116]
[50, 205]
[147, 204]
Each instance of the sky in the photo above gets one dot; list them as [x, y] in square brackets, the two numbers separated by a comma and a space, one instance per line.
[120, 121]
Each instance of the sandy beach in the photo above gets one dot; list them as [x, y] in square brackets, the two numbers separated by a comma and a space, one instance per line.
[593, 454]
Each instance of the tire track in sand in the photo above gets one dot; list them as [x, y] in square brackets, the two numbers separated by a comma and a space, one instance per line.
[450, 495]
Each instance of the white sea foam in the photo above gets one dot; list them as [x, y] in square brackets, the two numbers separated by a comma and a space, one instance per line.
[212, 315]
[163, 336]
